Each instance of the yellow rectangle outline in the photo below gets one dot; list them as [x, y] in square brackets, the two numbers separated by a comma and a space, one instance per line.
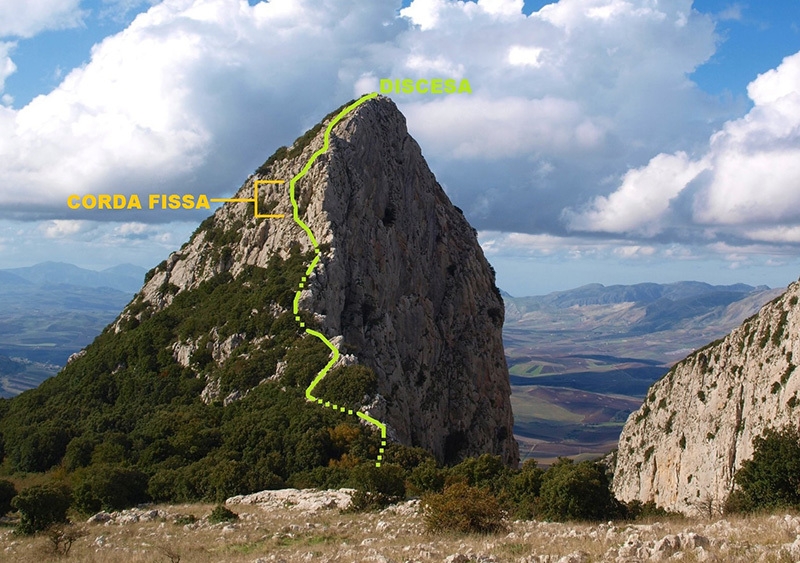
[255, 200]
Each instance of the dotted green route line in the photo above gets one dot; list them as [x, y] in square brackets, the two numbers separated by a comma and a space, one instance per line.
[296, 305]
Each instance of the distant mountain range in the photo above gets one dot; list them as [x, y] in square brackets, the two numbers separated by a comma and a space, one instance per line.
[51, 310]
[125, 277]
[581, 360]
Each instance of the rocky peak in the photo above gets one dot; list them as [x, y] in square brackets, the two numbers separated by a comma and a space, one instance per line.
[402, 285]
[683, 447]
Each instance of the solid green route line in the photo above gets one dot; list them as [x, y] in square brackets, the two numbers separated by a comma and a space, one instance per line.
[296, 304]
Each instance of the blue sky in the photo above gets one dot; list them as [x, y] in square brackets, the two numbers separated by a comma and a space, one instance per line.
[611, 141]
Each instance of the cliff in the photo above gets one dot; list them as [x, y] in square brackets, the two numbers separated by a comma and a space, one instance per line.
[684, 445]
[401, 287]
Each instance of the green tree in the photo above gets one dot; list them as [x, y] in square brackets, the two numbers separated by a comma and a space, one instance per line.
[486, 470]
[108, 487]
[40, 506]
[347, 385]
[428, 477]
[571, 491]
[524, 488]
[376, 487]
[7, 493]
[771, 479]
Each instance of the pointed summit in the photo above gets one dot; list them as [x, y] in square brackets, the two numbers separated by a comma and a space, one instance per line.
[324, 324]
[401, 285]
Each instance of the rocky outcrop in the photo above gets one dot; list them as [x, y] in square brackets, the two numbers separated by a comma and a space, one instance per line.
[402, 282]
[307, 500]
[683, 447]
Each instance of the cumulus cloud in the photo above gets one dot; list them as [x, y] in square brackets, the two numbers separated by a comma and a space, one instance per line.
[641, 202]
[29, 17]
[756, 159]
[190, 96]
[7, 66]
[470, 127]
[194, 95]
[63, 228]
[582, 88]
[749, 186]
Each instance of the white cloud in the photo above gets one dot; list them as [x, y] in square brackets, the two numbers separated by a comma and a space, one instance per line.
[502, 127]
[751, 168]
[194, 94]
[781, 234]
[7, 66]
[634, 251]
[63, 228]
[191, 96]
[732, 12]
[642, 199]
[424, 13]
[496, 243]
[26, 18]
[519, 55]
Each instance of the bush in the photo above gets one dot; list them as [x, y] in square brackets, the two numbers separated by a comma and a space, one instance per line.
[222, 514]
[407, 457]
[376, 487]
[486, 470]
[108, 487]
[347, 385]
[428, 477]
[40, 506]
[524, 489]
[571, 491]
[62, 537]
[462, 508]
[771, 479]
[7, 493]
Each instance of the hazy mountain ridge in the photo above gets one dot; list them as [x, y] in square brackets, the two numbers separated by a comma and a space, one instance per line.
[594, 341]
[52, 310]
[124, 277]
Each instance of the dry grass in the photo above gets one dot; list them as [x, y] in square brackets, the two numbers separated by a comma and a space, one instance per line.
[392, 535]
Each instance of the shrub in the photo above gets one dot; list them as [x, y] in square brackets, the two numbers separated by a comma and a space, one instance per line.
[347, 385]
[79, 452]
[486, 470]
[407, 457]
[7, 493]
[462, 508]
[40, 506]
[222, 514]
[771, 479]
[579, 491]
[376, 487]
[62, 537]
[637, 510]
[108, 487]
[524, 489]
[428, 477]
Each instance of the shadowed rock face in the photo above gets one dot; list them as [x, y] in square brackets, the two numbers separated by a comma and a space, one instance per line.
[683, 447]
[402, 284]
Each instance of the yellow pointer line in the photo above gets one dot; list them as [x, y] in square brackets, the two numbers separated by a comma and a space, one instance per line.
[253, 200]
[296, 304]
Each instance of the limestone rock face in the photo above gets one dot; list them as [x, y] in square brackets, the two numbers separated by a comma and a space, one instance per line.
[402, 280]
[683, 447]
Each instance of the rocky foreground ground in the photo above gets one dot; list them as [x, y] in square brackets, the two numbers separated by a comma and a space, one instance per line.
[293, 525]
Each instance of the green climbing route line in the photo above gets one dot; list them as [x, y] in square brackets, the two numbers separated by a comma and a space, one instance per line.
[296, 304]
